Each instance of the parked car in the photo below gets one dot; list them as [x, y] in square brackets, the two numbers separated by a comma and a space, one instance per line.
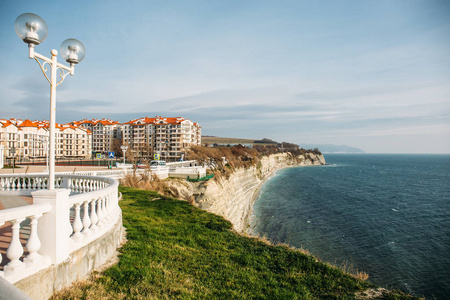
[158, 164]
[140, 166]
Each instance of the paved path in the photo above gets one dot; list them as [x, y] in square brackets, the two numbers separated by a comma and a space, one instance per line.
[7, 201]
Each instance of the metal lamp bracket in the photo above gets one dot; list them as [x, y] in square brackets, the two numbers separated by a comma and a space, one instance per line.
[62, 68]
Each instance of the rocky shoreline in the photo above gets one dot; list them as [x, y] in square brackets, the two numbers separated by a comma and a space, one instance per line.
[233, 197]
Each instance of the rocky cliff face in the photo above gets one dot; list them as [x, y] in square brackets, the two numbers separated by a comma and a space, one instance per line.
[233, 198]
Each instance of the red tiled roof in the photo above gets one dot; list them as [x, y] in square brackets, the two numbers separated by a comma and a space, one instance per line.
[27, 123]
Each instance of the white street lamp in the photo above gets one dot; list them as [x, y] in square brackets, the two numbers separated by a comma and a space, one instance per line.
[124, 150]
[45, 143]
[33, 30]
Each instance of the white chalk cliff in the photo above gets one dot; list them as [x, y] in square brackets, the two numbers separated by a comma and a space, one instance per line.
[233, 198]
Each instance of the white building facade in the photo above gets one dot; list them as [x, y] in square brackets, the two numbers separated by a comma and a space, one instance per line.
[168, 137]
[28, 140]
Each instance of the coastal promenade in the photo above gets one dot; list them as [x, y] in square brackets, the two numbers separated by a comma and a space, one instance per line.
[69, 230]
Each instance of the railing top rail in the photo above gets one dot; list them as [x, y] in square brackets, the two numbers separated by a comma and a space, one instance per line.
[57, 174]
[24, 175]
[64, 173]
[22, 211]
[109, 181]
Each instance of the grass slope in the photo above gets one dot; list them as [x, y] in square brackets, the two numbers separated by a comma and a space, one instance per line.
[177, 251]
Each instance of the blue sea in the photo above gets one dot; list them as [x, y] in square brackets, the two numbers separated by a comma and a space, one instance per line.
[386, 214]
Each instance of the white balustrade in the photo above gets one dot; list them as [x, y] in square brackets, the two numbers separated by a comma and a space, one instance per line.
[61, 221]
[16, 216]
[22, 183]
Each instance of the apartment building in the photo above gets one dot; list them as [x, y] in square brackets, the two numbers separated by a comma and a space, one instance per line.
[169, 137]
[9, 137]
[29, 139]
[104, 132]
[73, 141]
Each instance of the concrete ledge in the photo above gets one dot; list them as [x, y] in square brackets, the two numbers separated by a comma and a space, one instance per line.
[46, 282]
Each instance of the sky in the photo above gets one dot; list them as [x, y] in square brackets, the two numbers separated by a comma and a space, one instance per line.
[370, 74]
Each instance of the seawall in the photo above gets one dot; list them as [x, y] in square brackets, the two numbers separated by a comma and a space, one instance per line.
[233, 198]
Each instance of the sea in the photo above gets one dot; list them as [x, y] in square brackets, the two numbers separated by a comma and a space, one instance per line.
[387, 215]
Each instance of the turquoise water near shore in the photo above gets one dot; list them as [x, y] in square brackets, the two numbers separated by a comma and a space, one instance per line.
[388, 215]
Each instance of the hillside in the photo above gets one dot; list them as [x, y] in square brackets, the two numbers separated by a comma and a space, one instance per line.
[324, 148]
[224, 140]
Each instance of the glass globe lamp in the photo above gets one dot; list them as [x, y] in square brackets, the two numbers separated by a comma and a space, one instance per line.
[31, 28]
[72, 51]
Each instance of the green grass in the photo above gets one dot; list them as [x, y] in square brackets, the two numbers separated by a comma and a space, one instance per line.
[177, 251]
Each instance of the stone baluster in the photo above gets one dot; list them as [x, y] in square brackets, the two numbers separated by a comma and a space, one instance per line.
[107, 204]
[86, 219]
[76, 185]
[11, 184]
[34, 244]
[17, 184]
[15, 249]
[94, 218]
[99, 210]
[105, 212]
[1, 256]
[77, 225]
[109, 208]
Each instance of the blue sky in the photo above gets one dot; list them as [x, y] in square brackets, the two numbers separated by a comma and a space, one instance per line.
[369, 74]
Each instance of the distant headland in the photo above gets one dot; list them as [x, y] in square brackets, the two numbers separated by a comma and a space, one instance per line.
[324, 148]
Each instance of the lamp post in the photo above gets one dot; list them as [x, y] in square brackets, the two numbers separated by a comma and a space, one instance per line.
[124, 150]
[45, 143]
[33, 30]
[13, 153]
